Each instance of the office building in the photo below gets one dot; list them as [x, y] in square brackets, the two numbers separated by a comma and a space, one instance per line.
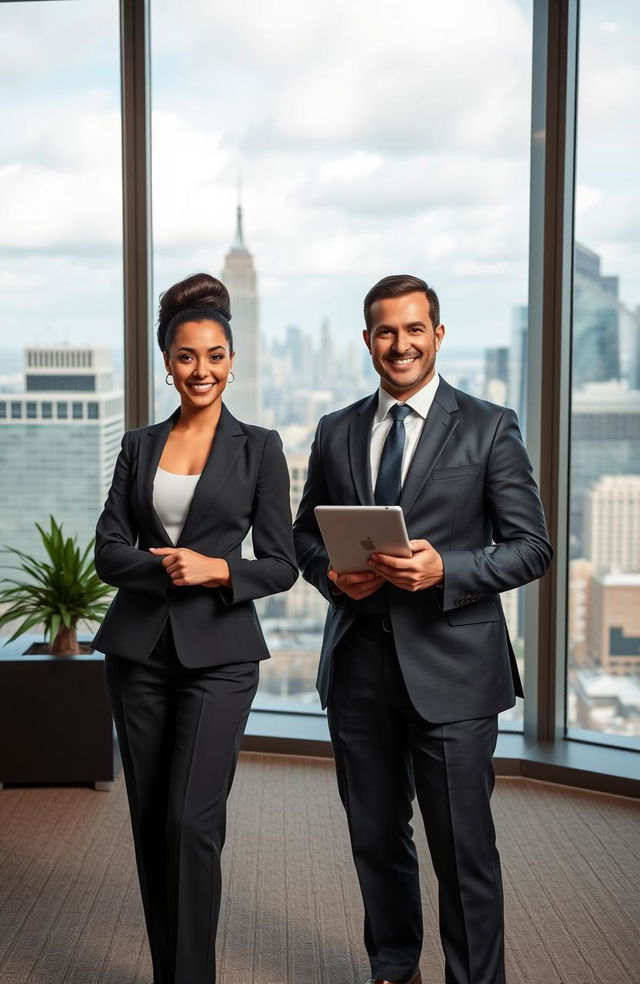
[302, 601]
[607, 703]
[325, 366]
[239, 275]
[580, 573]
[59, 440]
[630, 346]
[612, 527]
[614, 623]
[299, 355]
[517, 368]
[596, 314]
[604, 441]
[496, 374]
[511, 607]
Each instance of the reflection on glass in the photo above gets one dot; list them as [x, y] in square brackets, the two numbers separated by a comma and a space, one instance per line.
[604, 564]
[61, 285]
[314, 154]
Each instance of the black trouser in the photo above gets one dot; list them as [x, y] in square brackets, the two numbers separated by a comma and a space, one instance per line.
[179, 732]
[385, 754]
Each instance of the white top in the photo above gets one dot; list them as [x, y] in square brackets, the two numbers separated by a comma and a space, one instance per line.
[172, 495]
[420, 404]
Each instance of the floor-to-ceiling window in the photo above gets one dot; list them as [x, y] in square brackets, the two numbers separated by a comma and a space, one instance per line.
[354, 145]
[61, 322]
[302, 152]
[604, 505]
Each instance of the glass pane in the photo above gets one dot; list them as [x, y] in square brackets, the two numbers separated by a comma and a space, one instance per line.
[61, 283]
[604, 567]
[364, 146]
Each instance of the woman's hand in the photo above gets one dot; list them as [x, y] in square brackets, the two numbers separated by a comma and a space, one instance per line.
[188, 568]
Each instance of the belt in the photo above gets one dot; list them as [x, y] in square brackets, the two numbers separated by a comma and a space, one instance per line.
[376, 622]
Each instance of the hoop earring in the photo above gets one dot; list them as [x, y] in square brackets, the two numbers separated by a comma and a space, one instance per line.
[168, 379]
[230, 377]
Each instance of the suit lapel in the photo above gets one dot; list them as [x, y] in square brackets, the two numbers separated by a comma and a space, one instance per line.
[150, 451]
[227, 445]
[359, 441]
[440, 424]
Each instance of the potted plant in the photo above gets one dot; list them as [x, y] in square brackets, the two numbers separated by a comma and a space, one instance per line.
[57, 594]
[55, 719]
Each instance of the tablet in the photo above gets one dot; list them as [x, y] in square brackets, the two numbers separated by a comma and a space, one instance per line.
[352, 533]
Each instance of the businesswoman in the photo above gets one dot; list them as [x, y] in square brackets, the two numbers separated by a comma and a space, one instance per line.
[181, 638]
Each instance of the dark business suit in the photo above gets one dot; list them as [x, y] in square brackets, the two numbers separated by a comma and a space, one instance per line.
[414, 709]
[182, 668]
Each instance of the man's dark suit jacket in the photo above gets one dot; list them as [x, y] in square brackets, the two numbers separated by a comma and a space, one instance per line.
[244, 484]
[470, 492]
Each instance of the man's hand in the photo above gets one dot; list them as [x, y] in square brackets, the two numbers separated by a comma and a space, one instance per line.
[357, 586]
[187, 567]
[422, 570]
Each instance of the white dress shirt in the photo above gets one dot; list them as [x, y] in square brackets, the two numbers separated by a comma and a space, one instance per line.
[420, 404]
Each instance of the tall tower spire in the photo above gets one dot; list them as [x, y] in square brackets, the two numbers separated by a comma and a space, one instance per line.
[239, 275]
[239, 240]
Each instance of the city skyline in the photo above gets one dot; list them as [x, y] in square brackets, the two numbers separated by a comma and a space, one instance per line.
[293, 621]
[330, 213]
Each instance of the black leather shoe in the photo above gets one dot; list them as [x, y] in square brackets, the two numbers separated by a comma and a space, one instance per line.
[416, 979]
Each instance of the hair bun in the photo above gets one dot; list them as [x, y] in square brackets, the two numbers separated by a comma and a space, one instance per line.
[198, 290]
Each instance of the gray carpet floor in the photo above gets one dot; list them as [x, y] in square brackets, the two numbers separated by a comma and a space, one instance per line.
[70, 909]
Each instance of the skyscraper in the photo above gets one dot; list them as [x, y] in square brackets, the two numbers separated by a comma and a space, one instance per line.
[239, 275]
[614, 623]
[59, 440]
[299, 350]
[596, 317]
[604, 441]
[326, 360]
[612, 524]
[496, 374]
[580, 574]
[517, 385]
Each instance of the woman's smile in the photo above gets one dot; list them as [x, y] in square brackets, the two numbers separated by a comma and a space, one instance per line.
[201, 387]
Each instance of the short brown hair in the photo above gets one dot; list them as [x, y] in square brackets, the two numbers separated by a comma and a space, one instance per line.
[398, 285]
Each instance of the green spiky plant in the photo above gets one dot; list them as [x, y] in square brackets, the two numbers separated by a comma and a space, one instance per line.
[58, 592]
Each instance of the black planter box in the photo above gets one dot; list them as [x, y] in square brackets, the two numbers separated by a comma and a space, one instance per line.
[55, 719]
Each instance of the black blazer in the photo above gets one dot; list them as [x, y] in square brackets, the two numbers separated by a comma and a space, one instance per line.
[244, 485]
[470, 492]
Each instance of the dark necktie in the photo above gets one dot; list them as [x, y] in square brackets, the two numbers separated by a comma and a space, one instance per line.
[389, 481]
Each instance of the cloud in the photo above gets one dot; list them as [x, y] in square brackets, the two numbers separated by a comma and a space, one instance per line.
[64, 193]
[188, 163]
[370, 139]
[60, 166]
[610, 216]
[64, 40]
[608, 143]
[50, 299]
[333, 75]
[373, 185]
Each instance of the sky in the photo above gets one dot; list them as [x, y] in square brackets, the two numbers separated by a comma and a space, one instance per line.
[371, 138]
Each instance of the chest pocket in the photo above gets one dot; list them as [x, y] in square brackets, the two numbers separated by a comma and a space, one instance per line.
[462, 471]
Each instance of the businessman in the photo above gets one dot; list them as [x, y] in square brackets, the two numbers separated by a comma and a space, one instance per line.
[416, 661]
